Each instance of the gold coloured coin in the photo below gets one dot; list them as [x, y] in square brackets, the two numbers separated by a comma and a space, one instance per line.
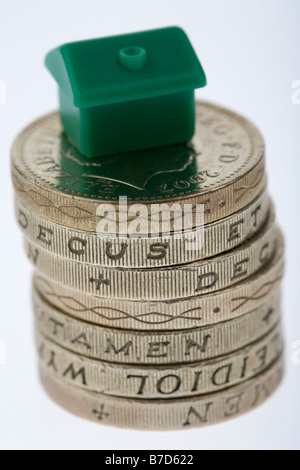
[222, 169]
[87, 247]
[166, 283]
[164, 415]
[193, 312]
[138, 347]
[161, 382]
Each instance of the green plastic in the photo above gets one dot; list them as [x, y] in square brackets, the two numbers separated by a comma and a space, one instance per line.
[127, 92]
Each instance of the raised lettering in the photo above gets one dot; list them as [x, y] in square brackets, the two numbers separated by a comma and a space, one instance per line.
[238, 269]
[33, 254]
[175, 387]
[211, 279]
[268, 315]
[259, 389]
[23, 221]
[82, 339]
[262, 356]
[233, 405]
[155, 349]
[264, 253]
[116, 256]
[45, 235]
[254, 215]
[143, 379]
[194, 412]
[244, 367]
[77, 246]
[56, 324]
[234, 233]
[51, 362]
[190, 343]
[158, 251]
[74, 375]
[125, 348]
[196, 381]
[223, 380]
[228, 158]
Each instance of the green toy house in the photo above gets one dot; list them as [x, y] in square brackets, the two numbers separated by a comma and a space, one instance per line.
[127, 92]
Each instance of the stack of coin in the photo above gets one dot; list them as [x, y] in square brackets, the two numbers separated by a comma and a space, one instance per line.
[157, 284]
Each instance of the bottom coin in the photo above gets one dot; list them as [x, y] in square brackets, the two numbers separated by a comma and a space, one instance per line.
[163, 415]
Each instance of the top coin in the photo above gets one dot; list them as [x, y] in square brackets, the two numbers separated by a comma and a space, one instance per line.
[222, 168]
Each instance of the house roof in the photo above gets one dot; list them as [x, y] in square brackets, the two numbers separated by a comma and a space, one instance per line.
[156, 62]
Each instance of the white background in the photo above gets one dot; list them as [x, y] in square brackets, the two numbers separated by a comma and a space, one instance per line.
[250, 51]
